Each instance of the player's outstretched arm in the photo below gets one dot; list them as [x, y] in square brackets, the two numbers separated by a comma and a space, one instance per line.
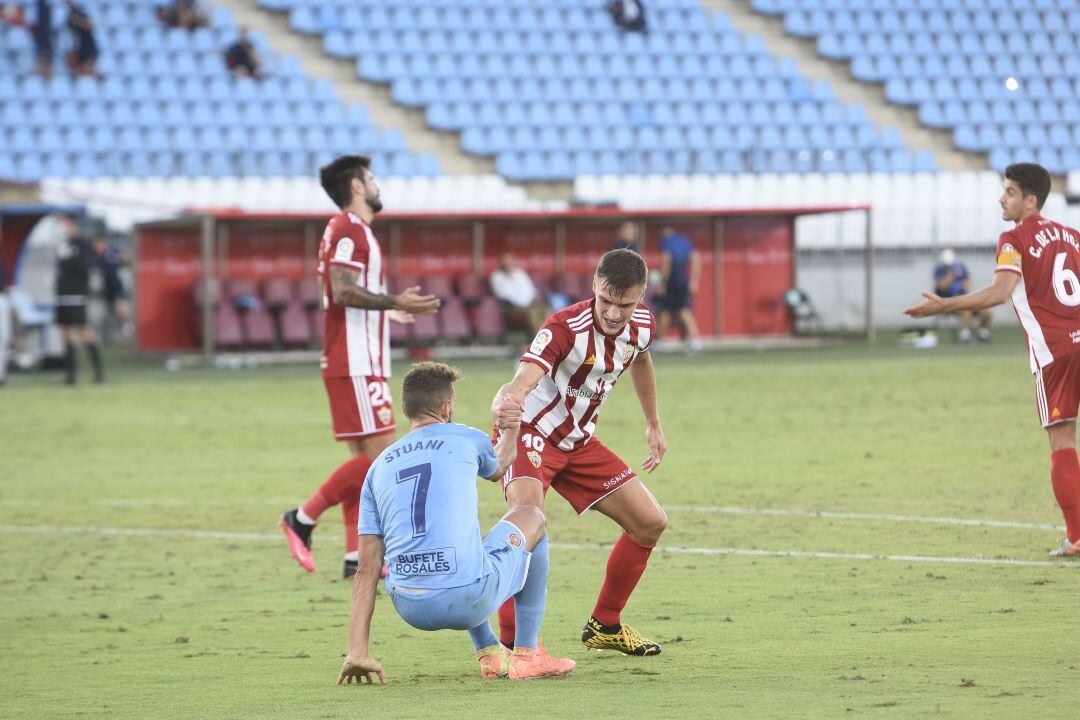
[346, 292]
[359, 667]
[506, 447]
[644, 379]
[994, 294]
[510, 399]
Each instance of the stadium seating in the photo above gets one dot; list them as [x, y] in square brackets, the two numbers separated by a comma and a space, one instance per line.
[167, 106]
[1002, 75]
[554, 91]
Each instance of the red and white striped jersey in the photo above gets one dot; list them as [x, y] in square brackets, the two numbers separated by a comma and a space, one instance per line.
[355, 341]
[583, 365]
[1046, 255]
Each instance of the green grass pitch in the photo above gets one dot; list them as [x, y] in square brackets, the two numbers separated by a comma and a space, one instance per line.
[171, 624]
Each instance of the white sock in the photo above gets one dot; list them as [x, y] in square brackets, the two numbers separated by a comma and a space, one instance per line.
[354, 556]
[304, 517]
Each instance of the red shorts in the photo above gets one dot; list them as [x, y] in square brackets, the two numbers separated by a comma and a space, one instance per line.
[1057, 390]
[583, 477]
[359, 406]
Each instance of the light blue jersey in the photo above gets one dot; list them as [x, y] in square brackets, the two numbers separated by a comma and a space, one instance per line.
[420, 496]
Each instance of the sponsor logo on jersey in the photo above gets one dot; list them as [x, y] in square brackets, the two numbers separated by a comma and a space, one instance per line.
[1009, 257]
[440, 561]
[584, 393]
[514, 539]
[540, 341]
[385, 415]
[345, 249]
[1056, 413]
[534, 458]
[591, 360]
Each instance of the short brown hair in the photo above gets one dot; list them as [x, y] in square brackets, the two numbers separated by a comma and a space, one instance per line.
[427, 386]
[336, 178]
[621, 271]
[1032, 178]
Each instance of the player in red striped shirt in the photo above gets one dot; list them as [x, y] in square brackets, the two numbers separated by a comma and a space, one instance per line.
[561, 383]
[356, 350]
[1037, 265]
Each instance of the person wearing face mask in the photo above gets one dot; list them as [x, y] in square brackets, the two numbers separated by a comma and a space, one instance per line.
[952, 279]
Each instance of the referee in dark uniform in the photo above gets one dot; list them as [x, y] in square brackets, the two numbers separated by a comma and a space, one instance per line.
[74, 263]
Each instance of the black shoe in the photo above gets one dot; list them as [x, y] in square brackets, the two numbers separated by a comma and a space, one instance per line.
[351, 566]
[299, 536]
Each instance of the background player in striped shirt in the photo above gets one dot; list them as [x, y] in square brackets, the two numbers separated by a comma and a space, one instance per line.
[356, 349]
[1037, 262]
[561, 382]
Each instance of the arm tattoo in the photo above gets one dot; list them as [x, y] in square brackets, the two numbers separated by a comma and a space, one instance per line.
[346, 292]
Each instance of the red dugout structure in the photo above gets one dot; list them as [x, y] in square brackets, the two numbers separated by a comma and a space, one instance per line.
[747, 258]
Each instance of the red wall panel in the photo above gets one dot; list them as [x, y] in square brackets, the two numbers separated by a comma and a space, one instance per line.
[757, 268]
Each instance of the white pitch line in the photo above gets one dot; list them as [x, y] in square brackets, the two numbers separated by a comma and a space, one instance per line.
[832, 515]
[718, 509]
[742, 552]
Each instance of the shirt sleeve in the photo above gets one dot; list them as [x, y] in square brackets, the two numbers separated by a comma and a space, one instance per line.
[644, 317]
[370, 521]
[487, 461]
[1008, 256]
[349, 247]
[552, 344]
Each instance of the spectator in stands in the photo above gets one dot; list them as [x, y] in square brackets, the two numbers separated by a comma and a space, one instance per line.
[627, 238]
[241, 58]
[42, 34]
[83, 58]
[628, 14]
[109, 261]
[679, 272]
[951, 279]
[75, 260]
[515, 289]
[183, 14]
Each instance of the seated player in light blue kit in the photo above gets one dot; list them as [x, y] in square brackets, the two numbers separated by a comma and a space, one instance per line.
[418, 509]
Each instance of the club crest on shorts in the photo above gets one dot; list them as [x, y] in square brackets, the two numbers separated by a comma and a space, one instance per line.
[385, 415]
[514, 539]
[540, 341]
[534, 458]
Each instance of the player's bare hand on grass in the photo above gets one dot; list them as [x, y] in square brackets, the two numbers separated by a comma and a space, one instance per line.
[360, 671]
[411, 301]
[657, 447]
[401, 317]
[932, 305]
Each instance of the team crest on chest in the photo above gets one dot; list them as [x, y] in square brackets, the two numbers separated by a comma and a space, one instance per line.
[628, 354]
[534, 458]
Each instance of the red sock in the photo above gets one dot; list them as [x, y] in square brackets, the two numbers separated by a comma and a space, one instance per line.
[624, 568]
[344, 482]
[350, 514]
[507, 625]
[1065, 477]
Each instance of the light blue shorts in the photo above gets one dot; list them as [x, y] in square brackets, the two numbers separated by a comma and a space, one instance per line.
[506, 563]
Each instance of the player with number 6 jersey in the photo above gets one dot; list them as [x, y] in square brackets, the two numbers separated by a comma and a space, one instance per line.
[356, 349]
[562, 381]
[1037, 265]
